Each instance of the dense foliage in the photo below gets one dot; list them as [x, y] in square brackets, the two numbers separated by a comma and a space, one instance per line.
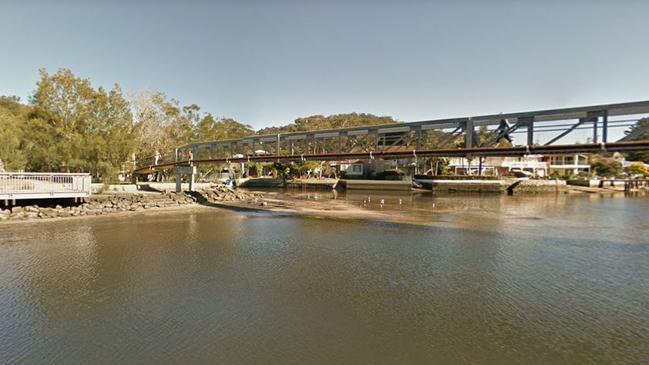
[638, 132]
[607, 169]
[319, 122]
[638, 168]
[71, 126]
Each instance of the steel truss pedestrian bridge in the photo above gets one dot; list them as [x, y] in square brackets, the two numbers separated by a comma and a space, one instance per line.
[532, 132]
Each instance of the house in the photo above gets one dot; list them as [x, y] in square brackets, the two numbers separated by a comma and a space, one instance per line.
[353, 168]
[465, 166]
[568, 164]
[498, 166]
[530, 163]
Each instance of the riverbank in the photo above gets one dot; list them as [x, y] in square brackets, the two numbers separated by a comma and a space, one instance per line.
[420, 208]
[365, 205]
[126, 202]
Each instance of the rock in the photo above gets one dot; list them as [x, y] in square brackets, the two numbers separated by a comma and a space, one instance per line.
[111, 203]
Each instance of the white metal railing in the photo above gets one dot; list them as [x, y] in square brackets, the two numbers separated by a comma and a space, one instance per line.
[35, 184]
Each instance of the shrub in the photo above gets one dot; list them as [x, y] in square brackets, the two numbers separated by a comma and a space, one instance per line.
[607, 169]
[638, 168]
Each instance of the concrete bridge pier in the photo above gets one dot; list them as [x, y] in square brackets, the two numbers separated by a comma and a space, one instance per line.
[188, 170]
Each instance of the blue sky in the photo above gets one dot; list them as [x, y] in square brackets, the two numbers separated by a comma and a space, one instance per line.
[267, 63]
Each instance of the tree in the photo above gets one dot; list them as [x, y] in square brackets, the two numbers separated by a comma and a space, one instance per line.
[74, 127]
[212, 129]
[112, 134]
[12, 117]
[638, 168]
[638, 132]
[319, 122]
[607, 169]
[163, 125]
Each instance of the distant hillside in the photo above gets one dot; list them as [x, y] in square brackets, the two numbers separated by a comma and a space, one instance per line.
[319, 122]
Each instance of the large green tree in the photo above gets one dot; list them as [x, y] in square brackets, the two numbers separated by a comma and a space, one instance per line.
[12, 130]
[75, 127]
[638, 132]
[212, 129]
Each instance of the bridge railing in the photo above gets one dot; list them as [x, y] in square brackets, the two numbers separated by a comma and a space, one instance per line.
[32, 185]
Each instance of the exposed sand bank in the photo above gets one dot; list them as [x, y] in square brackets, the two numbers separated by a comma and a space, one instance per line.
[267, 202]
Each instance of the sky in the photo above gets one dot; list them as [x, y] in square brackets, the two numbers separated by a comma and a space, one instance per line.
[269, 62]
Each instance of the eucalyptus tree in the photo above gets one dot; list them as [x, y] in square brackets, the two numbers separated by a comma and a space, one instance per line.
[75, 127]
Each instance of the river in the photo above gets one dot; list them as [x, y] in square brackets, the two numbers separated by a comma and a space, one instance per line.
[482, 280]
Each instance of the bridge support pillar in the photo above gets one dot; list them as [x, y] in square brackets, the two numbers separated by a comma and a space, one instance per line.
[178, 180]
[188, 170]
[605, 127]
[468, 134]
[191, 179]
[528, 122]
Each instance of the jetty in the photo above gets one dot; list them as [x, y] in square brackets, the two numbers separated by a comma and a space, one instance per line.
[31, 185]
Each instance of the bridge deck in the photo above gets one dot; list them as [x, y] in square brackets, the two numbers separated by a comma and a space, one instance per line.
[539, 131]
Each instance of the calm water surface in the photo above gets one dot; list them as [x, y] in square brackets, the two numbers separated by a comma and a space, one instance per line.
[492, 280]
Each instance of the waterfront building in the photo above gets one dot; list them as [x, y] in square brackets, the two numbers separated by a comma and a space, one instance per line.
[568, 164]
[498, 166]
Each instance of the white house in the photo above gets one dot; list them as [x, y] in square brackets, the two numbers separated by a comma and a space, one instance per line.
[499, 165]
[568, 164]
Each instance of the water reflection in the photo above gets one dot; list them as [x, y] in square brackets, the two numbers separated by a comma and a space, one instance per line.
[558, 279]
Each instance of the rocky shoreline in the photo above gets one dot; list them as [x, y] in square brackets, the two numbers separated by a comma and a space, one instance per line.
[105, 204]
